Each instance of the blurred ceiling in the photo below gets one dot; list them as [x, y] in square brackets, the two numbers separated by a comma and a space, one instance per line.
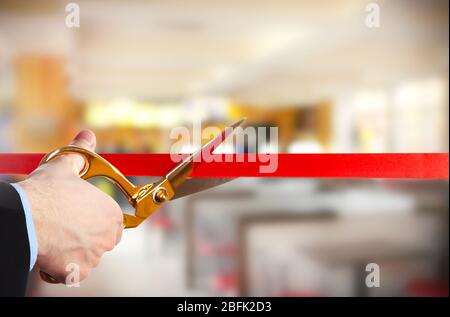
[263, 52]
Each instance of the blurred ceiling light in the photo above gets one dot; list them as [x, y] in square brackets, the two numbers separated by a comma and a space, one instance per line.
[420, 112]
[188, 148]
[371, 121]
[170, 115]
[272, 148]
[206, 107]
[95, 116]
[304, 147]
[129, 113]
[225, 148]
[121, 112]
[145, 116]
[376, 99]
[421, 93]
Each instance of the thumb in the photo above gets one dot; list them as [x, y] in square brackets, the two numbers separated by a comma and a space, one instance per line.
[84, 139]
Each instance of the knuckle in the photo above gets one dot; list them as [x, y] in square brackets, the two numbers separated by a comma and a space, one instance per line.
[84, 272]
[95, 262]
[110, 244]
[114, 211]
[94, 258]
[118, 216]
[120, 219]
[119, 235]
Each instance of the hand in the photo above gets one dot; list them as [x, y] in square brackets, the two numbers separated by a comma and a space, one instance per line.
[75, 222]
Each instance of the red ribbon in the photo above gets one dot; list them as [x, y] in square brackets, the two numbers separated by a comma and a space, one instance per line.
[386, 165]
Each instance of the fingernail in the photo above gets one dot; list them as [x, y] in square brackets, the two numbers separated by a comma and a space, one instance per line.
[85, 136]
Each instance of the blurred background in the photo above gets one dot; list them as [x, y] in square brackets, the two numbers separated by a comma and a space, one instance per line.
[135, 69]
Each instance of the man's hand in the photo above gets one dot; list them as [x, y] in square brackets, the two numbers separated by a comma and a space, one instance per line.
[75, 222]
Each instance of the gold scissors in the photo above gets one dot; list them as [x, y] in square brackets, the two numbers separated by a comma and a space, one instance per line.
[145, 199]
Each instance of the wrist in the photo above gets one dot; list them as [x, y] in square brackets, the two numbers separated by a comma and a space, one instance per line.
[37, 203]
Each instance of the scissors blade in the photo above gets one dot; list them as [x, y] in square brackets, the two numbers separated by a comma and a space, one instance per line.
[196, 185]
[182, 171]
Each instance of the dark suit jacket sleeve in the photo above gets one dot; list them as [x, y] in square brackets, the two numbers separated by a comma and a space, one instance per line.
[14, 243]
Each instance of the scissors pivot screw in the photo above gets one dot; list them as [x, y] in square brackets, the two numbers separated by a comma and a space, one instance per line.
[160, 196]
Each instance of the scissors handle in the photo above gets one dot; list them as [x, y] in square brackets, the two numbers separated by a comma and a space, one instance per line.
[95, 165]
[145, 199]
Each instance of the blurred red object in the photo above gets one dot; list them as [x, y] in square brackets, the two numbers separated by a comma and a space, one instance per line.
[162, 220]
[206, 248]
[425, 288]
[225, 281]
